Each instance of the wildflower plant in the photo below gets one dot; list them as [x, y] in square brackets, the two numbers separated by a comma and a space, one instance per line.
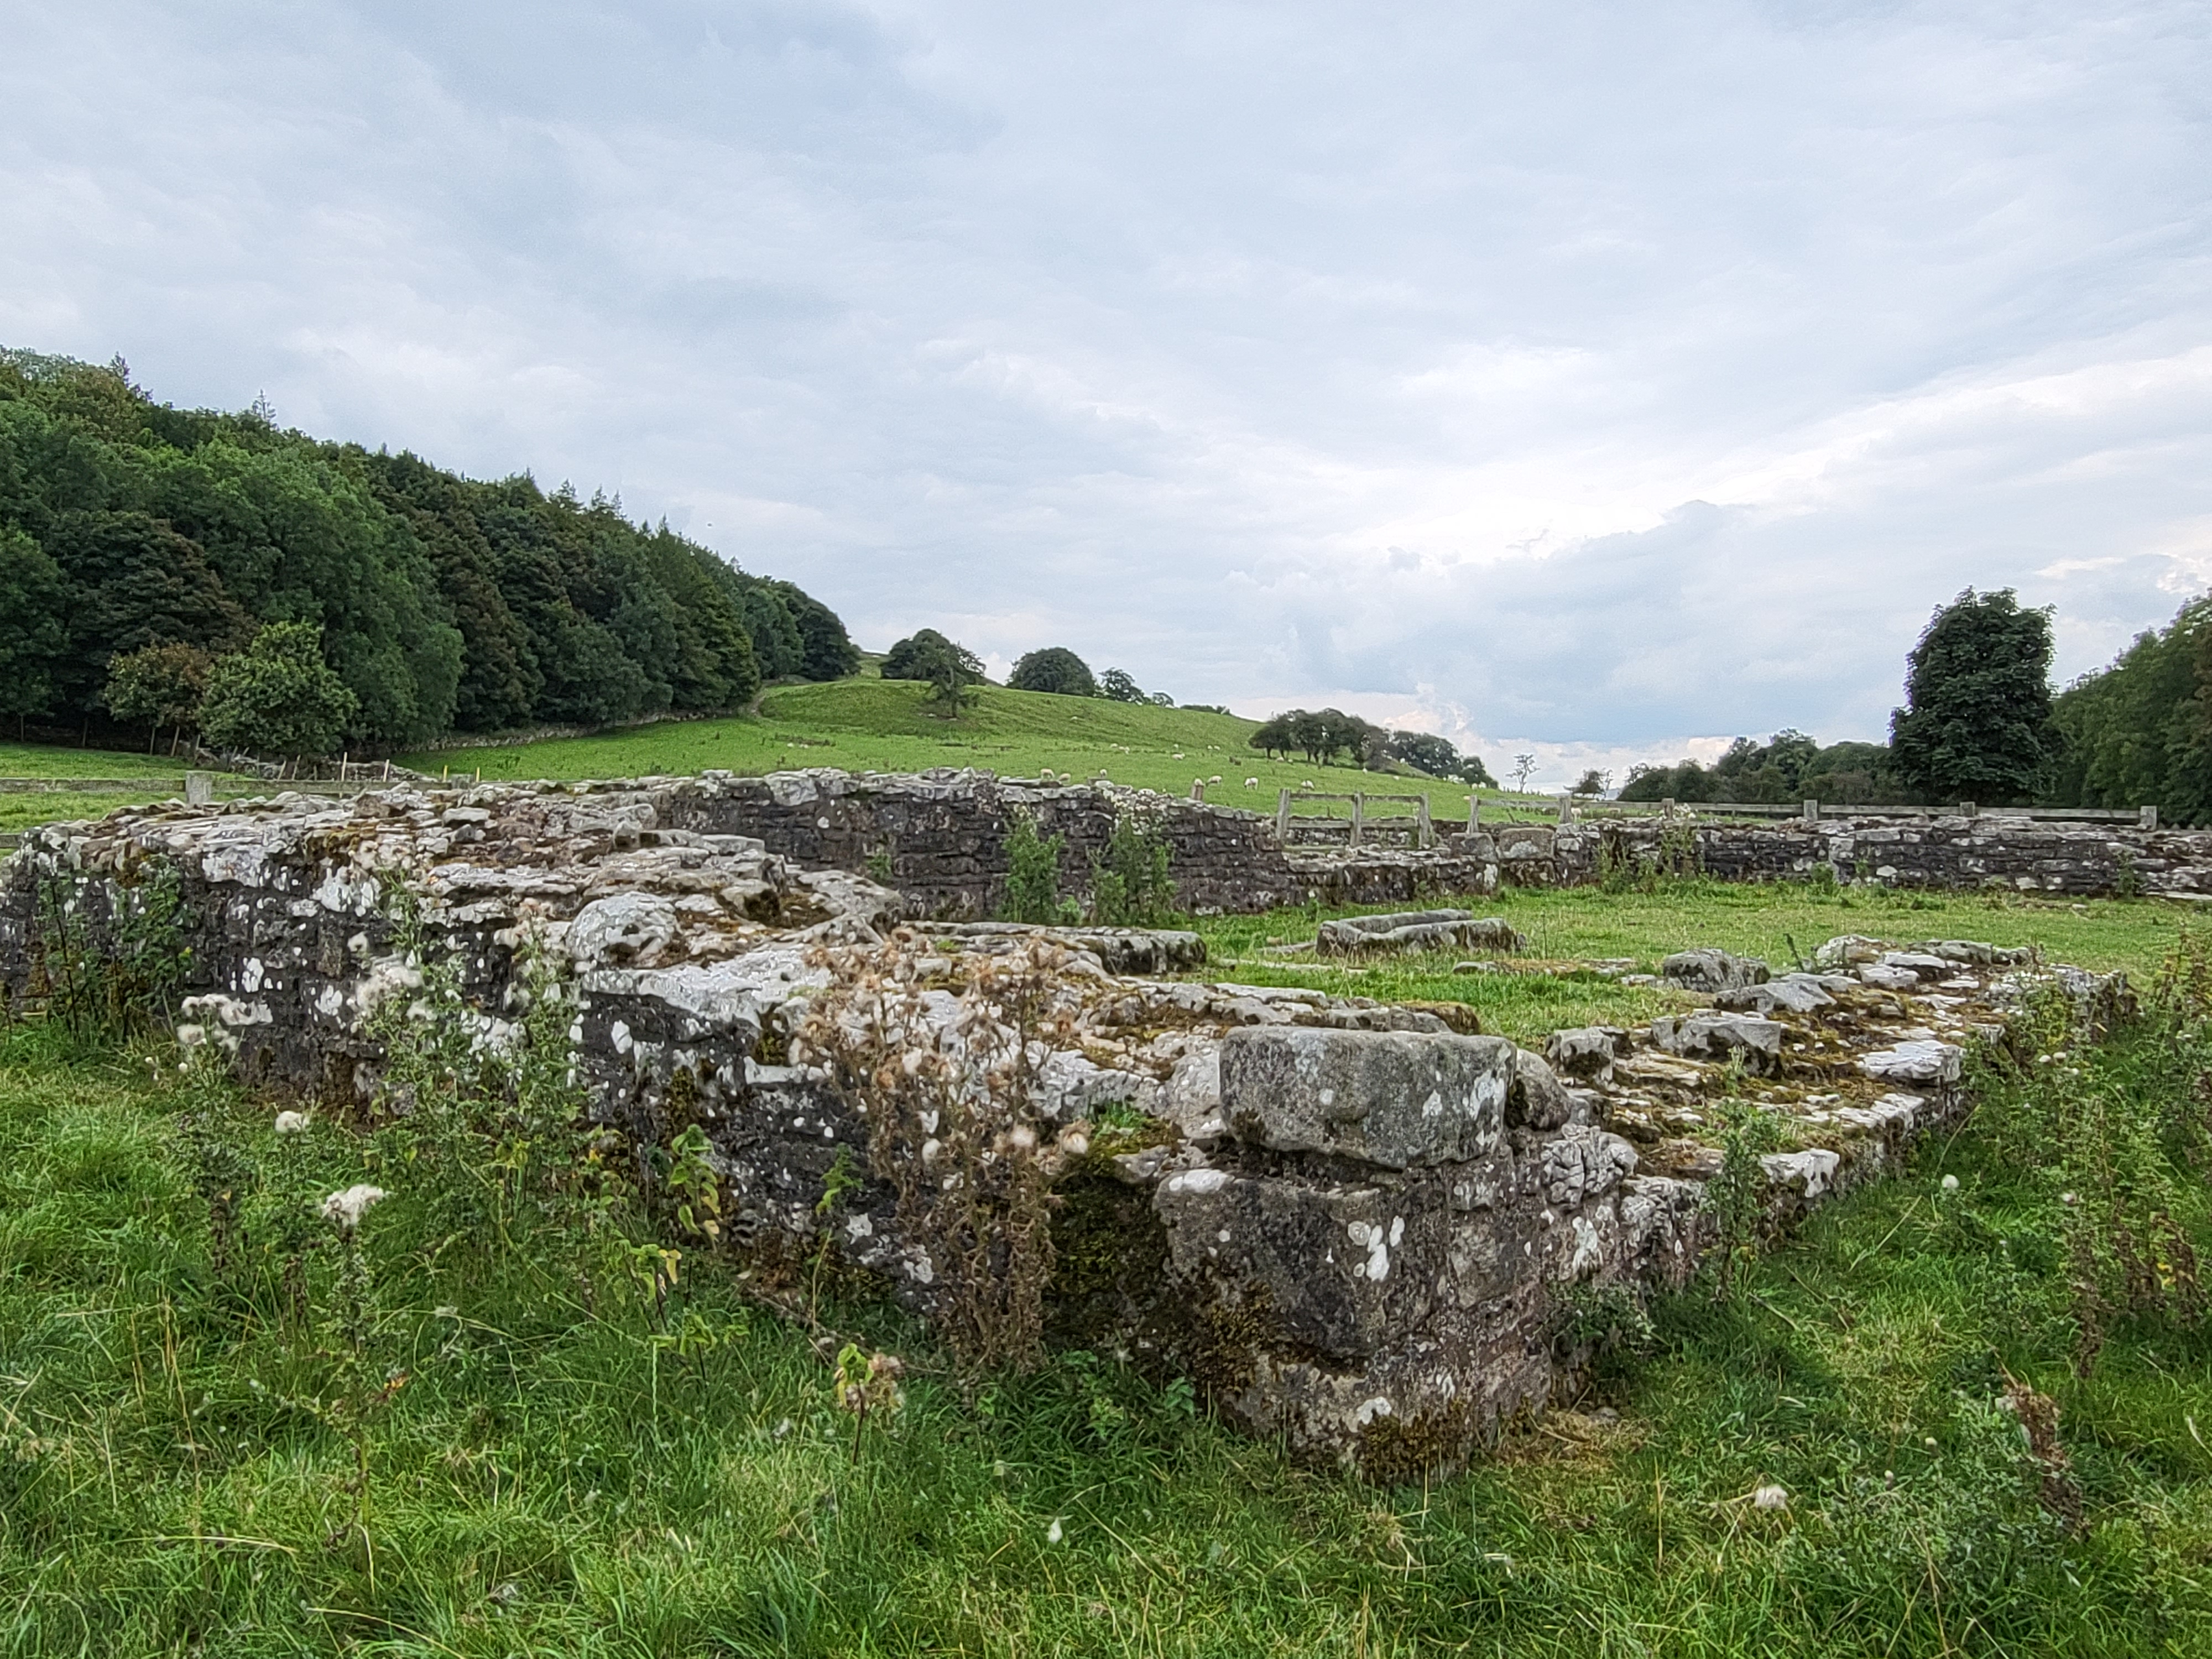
[949, 1084]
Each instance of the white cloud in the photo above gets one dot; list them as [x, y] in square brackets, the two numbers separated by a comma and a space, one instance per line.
[1603, 378]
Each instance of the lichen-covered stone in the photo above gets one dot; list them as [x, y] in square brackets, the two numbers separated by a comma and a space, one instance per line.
[1417, 929]
[1712, 970]
[1393, 1099]
[1755, 1043]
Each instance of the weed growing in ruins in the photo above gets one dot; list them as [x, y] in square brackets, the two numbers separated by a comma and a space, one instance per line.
[487, 1113]
[1131, 886]
[1736, 1198]
[1674, 858]
[108, 957]
[2119, 1138]
[1033, 875]
[949, 1092]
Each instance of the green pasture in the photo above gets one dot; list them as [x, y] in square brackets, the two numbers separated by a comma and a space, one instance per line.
[869, 725]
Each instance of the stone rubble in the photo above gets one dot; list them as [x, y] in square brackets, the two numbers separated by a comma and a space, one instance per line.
[1355, 1223]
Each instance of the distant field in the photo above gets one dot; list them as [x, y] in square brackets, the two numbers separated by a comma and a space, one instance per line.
[41, 760]
[20, 812]
[1760, 920]
[886, 726]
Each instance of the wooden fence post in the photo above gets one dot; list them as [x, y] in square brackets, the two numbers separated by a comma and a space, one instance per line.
[1359, 817]
[1425, 833]
[1474, 811]
[1666, 806]
[2147, 818]
[1283, 816]
[199, 788]
[1198, 790]
[1812, 811]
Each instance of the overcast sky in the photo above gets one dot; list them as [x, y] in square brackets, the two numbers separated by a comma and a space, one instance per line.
[1595, 380]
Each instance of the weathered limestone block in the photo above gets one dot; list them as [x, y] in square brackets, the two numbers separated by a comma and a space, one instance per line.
[1793, 994]
[1756, 1042]
[1537, 1099]
[1847, 951]
[1417, 929]
[1586, 1051]
[1923, 1061]
[1710, 970]
[1921, 964]
[1882, 976]
[1118, 949]
[1393, 1099]
[1583, 1163]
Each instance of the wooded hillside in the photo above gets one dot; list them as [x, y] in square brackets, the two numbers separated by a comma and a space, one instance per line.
[445, 602]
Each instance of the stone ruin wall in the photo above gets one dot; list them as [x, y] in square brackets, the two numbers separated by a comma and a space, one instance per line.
[1356, 1224]
[940, 839]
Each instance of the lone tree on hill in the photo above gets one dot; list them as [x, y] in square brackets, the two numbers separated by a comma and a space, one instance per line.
[1119, 685]
[903, 661]
[1977, 721]
[953, 671]
[1054, 668]
[278, 696]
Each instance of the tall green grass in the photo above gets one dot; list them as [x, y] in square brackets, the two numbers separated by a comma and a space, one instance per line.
[561, 1469]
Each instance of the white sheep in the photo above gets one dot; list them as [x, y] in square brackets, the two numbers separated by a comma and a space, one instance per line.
[1251, 783]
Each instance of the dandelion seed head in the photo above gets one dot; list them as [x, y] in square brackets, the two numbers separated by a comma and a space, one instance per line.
[346, 1209]
[1771, 1497]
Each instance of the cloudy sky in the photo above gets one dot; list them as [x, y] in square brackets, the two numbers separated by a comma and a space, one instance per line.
[1596, 380]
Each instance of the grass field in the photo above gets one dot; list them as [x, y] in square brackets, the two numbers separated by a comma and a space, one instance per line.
[21, 811]
[886, 726]
[552, 1470]
[1583, 924]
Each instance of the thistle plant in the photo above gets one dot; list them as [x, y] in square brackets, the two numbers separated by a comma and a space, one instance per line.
[955, 1133]
[363, 1394]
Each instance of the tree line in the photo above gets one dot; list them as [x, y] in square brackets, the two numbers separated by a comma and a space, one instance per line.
[1981, 723]
[1321, 735]
[951, 668]
[173, 568]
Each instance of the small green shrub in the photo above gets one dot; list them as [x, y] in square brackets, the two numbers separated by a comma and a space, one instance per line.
[1033, 875]
[1130, 886]
[1736, 1197]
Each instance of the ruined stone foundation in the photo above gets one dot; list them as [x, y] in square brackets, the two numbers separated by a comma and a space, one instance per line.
[1364, 1226]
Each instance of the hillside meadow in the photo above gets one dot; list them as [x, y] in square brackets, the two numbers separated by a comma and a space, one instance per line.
[868, 725]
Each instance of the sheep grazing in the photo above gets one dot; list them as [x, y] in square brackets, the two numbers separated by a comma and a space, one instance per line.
[1251, 783]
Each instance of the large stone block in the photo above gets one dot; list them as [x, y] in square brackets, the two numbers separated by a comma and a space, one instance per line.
[1398, 1099]
[1708, 970]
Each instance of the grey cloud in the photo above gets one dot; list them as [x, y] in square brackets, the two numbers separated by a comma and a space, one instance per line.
[1597, 374]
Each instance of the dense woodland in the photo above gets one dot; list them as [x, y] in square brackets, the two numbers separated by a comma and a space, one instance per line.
[132, 530]
[2141, 731]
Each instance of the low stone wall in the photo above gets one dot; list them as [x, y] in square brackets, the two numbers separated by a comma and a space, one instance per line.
[1948, 854]
[940, 838]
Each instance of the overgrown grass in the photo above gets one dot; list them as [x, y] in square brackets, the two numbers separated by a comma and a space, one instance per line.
[560, 1470]
[1585, 924]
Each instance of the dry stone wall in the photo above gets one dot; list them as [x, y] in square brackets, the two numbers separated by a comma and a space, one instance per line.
[1947, 853]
